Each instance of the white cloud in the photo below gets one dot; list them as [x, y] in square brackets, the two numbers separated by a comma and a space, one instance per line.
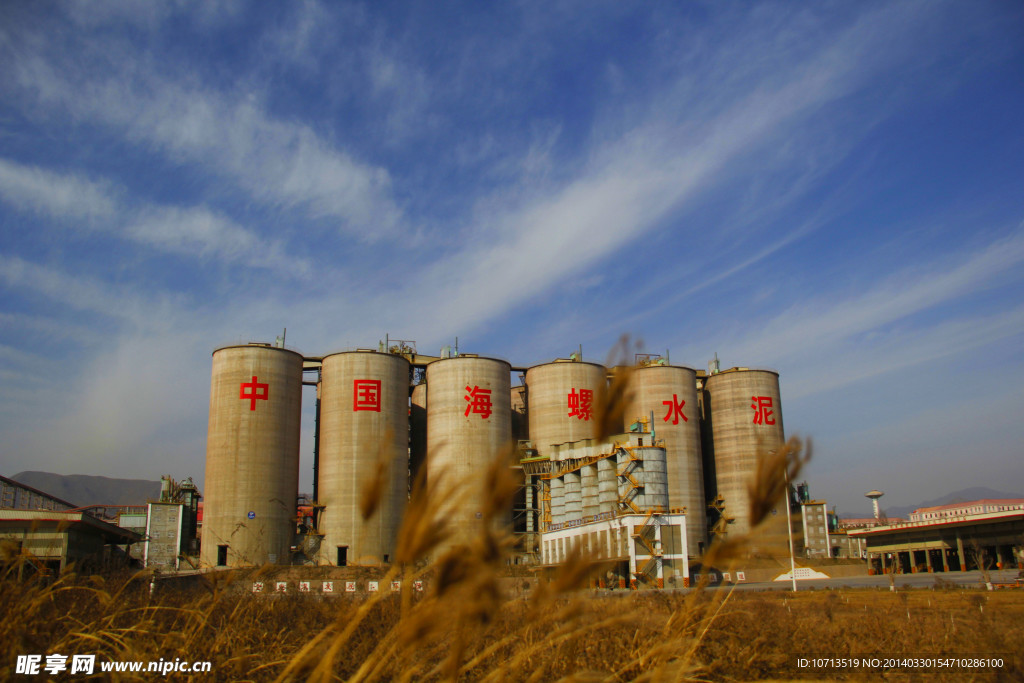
[199, 231]
[825, 322]
[275, 161]
[195, 231]
[56, 195]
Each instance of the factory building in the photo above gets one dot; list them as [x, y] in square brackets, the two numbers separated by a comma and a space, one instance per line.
[610, 501]
[388, 417]
[978, 540]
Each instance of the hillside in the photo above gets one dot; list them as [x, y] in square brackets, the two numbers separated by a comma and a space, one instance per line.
[84, 489]
[960, 496]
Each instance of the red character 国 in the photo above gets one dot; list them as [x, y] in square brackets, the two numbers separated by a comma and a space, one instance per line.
[256, 392]
[675, 410]
[366, 395]
[479, 401]
[762, 410]
[581, 405]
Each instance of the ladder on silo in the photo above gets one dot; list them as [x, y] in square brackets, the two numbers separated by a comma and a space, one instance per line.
[545, 502]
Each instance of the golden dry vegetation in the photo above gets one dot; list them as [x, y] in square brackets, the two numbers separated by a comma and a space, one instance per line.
[460, 634]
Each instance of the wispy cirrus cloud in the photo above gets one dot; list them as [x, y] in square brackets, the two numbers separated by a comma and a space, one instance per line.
[97, 206]
[230, 135]
[55, 195]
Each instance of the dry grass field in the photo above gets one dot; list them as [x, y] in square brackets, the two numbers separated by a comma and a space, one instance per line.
[464, 632]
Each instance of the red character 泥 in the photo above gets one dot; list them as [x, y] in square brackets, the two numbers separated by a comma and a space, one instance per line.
[761, 406]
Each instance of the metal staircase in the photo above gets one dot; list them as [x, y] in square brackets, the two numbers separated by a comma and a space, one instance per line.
[626, 475]
[647, 536]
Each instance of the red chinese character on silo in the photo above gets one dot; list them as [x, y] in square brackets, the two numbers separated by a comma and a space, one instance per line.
[366, 395]
[256, 392]
[675, 410]
[762, 414]
[479, 401]
[581, 404]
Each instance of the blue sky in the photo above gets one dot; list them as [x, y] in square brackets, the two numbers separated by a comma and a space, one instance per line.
[833, 190]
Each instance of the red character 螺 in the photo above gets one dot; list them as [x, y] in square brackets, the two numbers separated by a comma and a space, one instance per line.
[581, 405]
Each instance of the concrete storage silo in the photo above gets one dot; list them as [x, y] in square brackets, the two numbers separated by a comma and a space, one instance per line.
[364, 424]
[252, 456]
[646, 467]
[607, 486]
[417, 430]
[743, 412]
[562, 399]
[670, 393]
[468, 426]
[520, 425]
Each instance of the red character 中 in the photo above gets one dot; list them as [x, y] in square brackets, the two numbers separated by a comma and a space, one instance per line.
[257, 392]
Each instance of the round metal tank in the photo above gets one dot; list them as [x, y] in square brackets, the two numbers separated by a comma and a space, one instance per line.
[417, 430]
[588, 484]
[653, 475]
[607, 488]
[468, 426]
[557, 500]
[670, 393]
[562, 398]
[573, 496]
[743, 410]
[252, 456]
[364, 424]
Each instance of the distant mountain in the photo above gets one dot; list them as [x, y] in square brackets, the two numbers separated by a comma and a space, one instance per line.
[84, 489]
[961, 496]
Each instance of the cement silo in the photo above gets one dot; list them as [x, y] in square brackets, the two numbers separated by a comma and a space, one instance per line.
[364, 426]
[562, 400]
[643, 484]
[468, 427]
[670, 394]
[743, 412]
[252, 456]
[520, 426]
[417, 430]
